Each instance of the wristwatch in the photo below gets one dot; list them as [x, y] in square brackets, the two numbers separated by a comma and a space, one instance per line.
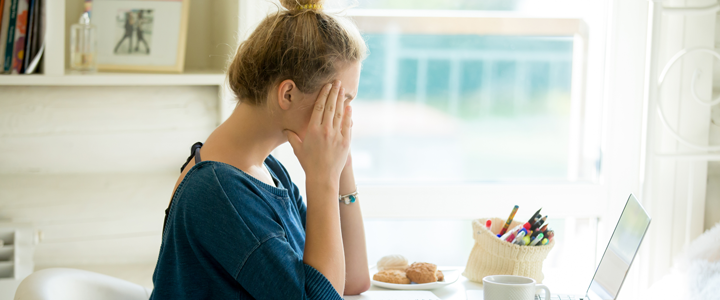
[349, 198]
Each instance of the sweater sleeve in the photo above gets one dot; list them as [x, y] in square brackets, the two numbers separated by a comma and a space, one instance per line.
[245, 239]
[301, 207]
[274, 271]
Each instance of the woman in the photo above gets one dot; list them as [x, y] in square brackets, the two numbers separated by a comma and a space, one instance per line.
[236, 226]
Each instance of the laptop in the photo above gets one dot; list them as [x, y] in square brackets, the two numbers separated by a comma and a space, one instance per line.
[619, 255]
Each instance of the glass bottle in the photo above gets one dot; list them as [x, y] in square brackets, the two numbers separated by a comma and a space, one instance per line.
[83, 45]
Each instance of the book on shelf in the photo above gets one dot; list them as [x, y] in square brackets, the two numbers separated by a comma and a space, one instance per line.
[20, 33]
[9, 36]
[31, 32]
[4, 12]
[22, 30]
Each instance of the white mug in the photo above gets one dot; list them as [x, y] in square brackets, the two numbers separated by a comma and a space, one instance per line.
[511, 287]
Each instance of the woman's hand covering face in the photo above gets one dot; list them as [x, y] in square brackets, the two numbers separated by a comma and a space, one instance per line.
[325, 147]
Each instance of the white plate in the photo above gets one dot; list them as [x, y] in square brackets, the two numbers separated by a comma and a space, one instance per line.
[451, 275]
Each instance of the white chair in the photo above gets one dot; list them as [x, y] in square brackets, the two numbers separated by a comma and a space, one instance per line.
[67, 284]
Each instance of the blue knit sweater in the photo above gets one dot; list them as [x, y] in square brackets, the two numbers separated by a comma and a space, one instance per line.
[231, 236]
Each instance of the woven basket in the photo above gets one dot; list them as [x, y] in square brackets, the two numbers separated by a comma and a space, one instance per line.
[491, 256]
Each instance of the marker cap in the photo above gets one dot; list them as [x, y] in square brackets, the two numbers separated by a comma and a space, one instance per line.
[537, 239]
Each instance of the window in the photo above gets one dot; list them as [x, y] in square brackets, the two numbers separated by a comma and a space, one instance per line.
[463, 104]
[468, 107]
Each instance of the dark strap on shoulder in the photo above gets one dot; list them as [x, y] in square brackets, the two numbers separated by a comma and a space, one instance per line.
[194, 151]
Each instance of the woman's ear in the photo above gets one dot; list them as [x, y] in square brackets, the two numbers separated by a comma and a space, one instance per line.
[287, 94]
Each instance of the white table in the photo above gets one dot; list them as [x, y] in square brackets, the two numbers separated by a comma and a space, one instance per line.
[572, 285]
[455, 291]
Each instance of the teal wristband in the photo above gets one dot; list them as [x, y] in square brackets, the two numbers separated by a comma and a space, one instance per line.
[349, 198]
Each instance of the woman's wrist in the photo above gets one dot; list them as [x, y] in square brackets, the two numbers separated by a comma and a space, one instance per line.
[347, 179]
[322, 183]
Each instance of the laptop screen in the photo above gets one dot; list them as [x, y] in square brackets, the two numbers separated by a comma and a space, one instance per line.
[621, 250]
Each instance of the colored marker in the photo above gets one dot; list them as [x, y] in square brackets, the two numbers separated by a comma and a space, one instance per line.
[488, 224]
[544, 242]
[519, 237]
[526, 240]
[541, 229]
[514, 230]
[550, 235]
[523, 230]
[536, 240]
[509, 220]
[510, 238]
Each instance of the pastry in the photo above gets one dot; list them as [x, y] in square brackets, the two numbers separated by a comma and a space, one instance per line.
[422, 272]
[391, 276]
[440, 275]
[392, 262]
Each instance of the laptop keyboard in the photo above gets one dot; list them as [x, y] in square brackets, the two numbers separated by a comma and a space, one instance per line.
[558, 297]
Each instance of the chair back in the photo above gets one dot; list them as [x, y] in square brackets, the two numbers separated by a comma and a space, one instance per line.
[67, 284]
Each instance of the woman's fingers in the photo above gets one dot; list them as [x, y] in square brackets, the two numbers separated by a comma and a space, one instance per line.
[330, 104]
[317, 115]
[346, 130]
[339, 109]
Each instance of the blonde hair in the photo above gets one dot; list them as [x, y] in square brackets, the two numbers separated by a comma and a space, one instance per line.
[300, 42]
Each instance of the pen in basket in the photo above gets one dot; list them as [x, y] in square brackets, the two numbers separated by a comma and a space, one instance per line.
[519, 238]
[532, 220]
[537, 239]
[509, 220]
[534, 232]
[510, 232]
[539, 223]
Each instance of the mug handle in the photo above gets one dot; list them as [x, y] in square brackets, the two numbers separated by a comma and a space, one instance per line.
[544, 287]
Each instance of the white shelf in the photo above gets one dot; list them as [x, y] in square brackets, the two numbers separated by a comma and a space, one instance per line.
[115, 79]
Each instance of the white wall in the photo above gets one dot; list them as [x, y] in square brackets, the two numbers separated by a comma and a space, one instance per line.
[92, 168]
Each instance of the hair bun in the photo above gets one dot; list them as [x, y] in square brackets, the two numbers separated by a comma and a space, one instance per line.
[298, 4]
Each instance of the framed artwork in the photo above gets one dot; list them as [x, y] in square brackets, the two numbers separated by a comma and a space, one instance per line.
[141, 35]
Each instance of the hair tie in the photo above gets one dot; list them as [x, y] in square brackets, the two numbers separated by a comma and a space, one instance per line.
[310, 7]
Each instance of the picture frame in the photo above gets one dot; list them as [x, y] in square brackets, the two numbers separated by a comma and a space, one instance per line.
[141, 35]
